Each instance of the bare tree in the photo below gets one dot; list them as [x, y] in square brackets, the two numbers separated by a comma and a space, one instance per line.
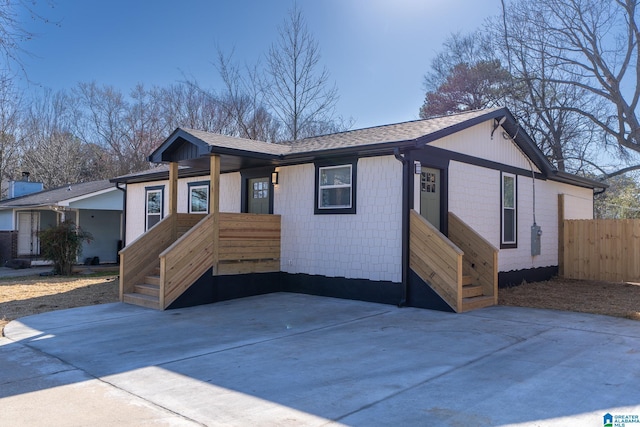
[145, 129]
[11, 116]
[298, 93]
[546, 109]
[594, 45]
[187, 105]
[51, 152]
[13, 31]
[243, 101]
[128, 131]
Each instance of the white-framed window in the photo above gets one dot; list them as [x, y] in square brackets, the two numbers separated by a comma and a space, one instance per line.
[154, 206]
[199, 197]
[509, 211]
[336, 188]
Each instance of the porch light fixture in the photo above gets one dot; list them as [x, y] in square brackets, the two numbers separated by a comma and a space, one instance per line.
[417, 168]
[274, 178]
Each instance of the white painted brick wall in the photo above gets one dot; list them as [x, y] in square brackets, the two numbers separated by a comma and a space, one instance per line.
[367, 245]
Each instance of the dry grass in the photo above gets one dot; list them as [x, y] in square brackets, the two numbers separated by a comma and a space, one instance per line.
[611, 299]
[21, 297]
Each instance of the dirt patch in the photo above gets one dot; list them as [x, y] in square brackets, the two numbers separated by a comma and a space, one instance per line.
[612, 299]
[21, 297]
[32, 295]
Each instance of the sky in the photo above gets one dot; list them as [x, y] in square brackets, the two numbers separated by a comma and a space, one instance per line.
[376, 51]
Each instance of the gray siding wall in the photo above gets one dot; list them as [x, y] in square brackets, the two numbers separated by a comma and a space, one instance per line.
[105, 228]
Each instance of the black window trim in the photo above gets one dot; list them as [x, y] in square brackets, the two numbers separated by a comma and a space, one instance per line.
[509, 245]
[146, 206]
[351, 161]
[198, 184]
[245, 176]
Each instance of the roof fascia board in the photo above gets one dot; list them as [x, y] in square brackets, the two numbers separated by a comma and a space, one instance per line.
[361, 150]
[522, 140]
[179, 134]
[423, 140]
[66, 202]
[214, 150]
[581, 181]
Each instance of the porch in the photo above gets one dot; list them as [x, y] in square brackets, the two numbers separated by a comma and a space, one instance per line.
[160, 265]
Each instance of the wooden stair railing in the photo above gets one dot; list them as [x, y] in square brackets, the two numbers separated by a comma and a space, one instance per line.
[247, 243]
[480, 259]
[436, 260]
[139, 259]
[465, 280]
[182, 263]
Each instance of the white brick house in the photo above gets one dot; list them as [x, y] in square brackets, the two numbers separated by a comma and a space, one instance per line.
[344, 199]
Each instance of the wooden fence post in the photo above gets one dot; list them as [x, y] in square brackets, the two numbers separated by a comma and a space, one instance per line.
[561, 235]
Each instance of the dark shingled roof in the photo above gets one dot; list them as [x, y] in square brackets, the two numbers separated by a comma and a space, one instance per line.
[238, 153]
[56, 195]
[398, 132]
[252, 145]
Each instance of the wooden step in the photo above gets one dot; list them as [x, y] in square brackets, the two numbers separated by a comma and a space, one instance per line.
[150, 289]
[142, 300]
[467, 280]
[152, 279]
[475, 303]
[470, 291]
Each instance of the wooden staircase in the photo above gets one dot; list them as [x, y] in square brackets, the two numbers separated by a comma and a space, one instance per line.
[461, 267]
[147, 293]
[163, 263]
[473, 296]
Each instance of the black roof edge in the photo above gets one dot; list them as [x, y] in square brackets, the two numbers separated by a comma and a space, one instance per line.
[157, 176]
[242, 153]
[178, 133]
[364, 150]
[522, 139]
[581, 181]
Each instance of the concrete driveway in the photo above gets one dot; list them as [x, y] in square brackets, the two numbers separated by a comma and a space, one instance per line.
[291, 359]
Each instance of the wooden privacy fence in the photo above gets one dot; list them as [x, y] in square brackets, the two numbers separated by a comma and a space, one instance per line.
[601, 249]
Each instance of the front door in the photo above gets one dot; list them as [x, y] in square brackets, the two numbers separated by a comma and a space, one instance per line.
[430, 195]
[258, 195]
[28, 227]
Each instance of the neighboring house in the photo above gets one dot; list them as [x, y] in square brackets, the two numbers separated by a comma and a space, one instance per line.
[367, 214]
[94, 206]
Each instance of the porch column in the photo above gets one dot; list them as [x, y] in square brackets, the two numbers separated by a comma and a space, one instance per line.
[173, 199]
[214, 209]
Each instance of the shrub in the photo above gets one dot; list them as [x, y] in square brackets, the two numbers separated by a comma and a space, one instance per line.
[62, 245]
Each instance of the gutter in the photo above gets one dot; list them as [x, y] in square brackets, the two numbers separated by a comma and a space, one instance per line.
[405, 225]
[124, 213]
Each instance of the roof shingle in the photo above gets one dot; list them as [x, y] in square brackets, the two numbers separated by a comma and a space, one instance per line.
[56, 195]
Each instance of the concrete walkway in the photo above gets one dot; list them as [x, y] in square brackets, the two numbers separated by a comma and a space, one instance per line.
[291, 359]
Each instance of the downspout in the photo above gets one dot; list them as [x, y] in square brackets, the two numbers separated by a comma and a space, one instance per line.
[405, 225]
[124, 213]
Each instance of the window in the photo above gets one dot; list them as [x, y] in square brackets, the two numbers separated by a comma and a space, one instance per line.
[154, 208]
[335, 188]
[199, 197]
[509, 211]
